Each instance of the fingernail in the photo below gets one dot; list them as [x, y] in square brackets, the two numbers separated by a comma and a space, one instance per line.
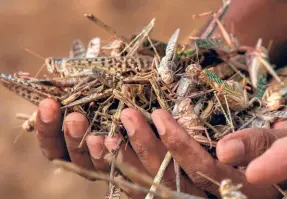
[47, 114]
[74, 129]
[112, 142]
[96, 146]
[129, 125]
[231, 151]
[160, 124]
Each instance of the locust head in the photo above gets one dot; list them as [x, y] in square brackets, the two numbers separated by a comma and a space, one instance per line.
[51, 66]
[94, 48]
[226, 186]
[55, 66]
[193, 71]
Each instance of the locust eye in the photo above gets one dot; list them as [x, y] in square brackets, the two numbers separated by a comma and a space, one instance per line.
[50, 65]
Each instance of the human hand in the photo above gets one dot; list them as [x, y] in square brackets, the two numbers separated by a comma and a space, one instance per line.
[150, 151]
[250, 20]
[146, 153]
[58, 145]
[263, 151]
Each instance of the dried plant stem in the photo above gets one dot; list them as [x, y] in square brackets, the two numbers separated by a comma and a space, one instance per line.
[131, 104]
[139, 38]
[248, 122]
[22, 116]
[177, 175]
[118, 181]
[159, 94]
[154, 49]
[116, 119]
[222, 109]
[132, 173]
[159, 175]
[98, 176]
[280, 190]
[238, 72]
[270, 69]
[229, 113]
[208, 178]
[108, 28]
[209, 125]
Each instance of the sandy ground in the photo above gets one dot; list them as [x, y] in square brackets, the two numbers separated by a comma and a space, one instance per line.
[48, 28]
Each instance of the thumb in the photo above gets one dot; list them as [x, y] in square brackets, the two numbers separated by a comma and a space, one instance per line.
[271, 167]
[242, 147]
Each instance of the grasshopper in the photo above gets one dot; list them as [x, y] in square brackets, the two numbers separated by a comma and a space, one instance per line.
[228, 190]
[190, 121]
[266, 119]
[275, 98]
[83, 66]
[167, 66]
[116, 48]
[30, 91]
[237, 97]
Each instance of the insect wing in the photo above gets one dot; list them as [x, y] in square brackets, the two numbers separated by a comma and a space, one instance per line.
[171, 45]
[78, 49]
[94, 47]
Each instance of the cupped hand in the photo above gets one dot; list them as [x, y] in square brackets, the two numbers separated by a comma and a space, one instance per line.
[146, 154]
[146, 151]
[58, 145]
[150, 151]
[263, 151]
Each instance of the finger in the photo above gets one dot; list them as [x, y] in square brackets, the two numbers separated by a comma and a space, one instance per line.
[281, 124]
[97, 151]
[147, 146]
[48, 130]
[124, 154]
[193, 159]
[150, 150]
[75, 126]
[243, 146]
[271, 167]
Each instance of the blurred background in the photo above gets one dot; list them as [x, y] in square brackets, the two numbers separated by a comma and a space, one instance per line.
[48, 28]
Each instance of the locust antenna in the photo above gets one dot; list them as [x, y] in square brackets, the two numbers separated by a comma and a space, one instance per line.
[35, 54]
[40, 57]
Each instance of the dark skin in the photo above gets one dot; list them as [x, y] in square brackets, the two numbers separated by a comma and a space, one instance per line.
[263, 151]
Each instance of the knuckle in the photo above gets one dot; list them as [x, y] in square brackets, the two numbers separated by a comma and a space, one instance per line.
[75, 149]
[173, 141]
[141, 151]
[263, 140]
[206, 167]
[201, 182]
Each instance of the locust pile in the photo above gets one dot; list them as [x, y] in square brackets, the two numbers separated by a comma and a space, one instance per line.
[212, 86]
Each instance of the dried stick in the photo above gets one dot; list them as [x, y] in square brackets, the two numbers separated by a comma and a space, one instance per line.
[99, 22]
[280, 190]
[132, 172]
[212, 25]
[159, 175]
[120, 182]
[138, 40]
[131, 104]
